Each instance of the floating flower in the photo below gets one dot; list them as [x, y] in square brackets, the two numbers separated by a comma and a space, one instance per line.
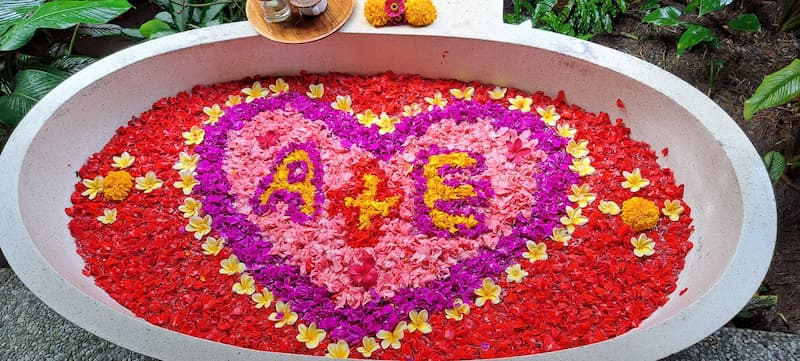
[109, 216]
[117, 185]
[411, 110]
[459, 310]
[310, 335]
[573, 218]
[578, 150]
[609, 208]
[263, 299]
[560, 235]
[186, 162]
[231, 266]
[643, 246]
[517, 151]
[214, 113]
[465, 94]
[535, 252]
[148, 183]
[315, 91]
[515, 273]
[245, 286]
[581, 195]
[212, 246]
[190, 207]
[279, 87]
[254, 92]
[634, 180]
[343, 103]
[93, 187]
[195, 135]
[339, 350]
[187, 182]
[582, 166]
[386, 123]
[549, 115]
[200, 226]
[419, 322]
[639, 213]
[233, 100]
[565, 131]
[520, 103]
[436, 101]
[672, 209]
[367, 119]
[123, 161]
[488, 291]
[283, 315]
[392, 338]
[368, 346]
[497, 93]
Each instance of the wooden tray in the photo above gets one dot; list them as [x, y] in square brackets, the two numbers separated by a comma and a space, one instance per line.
[299, 29]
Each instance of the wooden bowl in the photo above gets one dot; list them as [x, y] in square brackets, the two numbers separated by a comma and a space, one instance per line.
[301, 29]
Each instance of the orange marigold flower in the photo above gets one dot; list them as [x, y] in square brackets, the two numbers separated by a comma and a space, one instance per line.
[639, 213]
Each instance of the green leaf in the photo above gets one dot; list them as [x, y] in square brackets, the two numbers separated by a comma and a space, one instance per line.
[761, 301]
[180, 15]
[29, 87]
[650, 5]
[99, 30]
[212, 13]
[132, 33]
[73, 63]
[707, 6]
[696, 34]
[746, 22]
[153, 26]
[16, 9]
[776, 165]
[777, 88]
[691, 7]
[61, 15]
[665, 16]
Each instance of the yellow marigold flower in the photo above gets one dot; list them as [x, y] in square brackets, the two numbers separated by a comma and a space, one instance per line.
[231, 266]
[609, 207]
[279, 87]
[411, 110]
[367, 119]
[368, 346]
[488, 291]
[465, 94]
[386, 123]
[634, 180]
[200, 226]
[549, 115]
[310, 335]
[497, 93]
[315, 91]
[375, 12]
[186, 162]
[643, 246]
[582, 166]
[436, 101]
[343, 103]
[187, 182]
[578, 150]
[117, 185]
[264, 298]
[190, 207]
[339, 350]
[581, 195]
[536, 251]
[109, 216]
[213, 246]
[195, 135]
[93, 187]
[520, 103]
[283, 315]
[560, 235]
[214, 113]
[392, 338]
[420, 12]
[639, 213]
[672, 209]
[459, 310]
[254, 92]
[419, 322]
[515, 273]
[233, 100]
[573, 218]
[245, 286]
[565, 131]
[123, 161]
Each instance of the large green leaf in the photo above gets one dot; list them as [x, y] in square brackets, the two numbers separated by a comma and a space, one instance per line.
[153, 26]
[691, 7]
[776, 165]
[746, 22]
[665, 16]
[12, 11]
[29, 87]
[696, 34]
[777, 88]
[99, 30]
[73, 63]
[61, 15]
[707, 6]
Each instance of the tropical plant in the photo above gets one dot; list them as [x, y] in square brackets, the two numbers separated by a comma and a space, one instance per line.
[790, 19]
[181, 15]
[581, 18]
[758, 301]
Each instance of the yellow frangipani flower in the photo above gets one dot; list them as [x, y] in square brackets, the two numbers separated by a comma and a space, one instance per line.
[231, 266]
[186, 162]
[488, 291]
[367, 119]
[549, 115]
[459, 310]
[123, 161]
[190, 207]
[279, 87]
[93, 187]
[411, 110]
[283, 315]
[195, 135]
[187, 182]
[419, 322]
[573, 218]
[581, 195]
[436, 101]
[560, 235]
[109, 216]
[214, 113]
[497, 93]
[672, 209]
[609, 207]
[245, 286]
[254, 92]
[578, 149]
[634, 180]
[311, 335]
[338, 350]
[515, 273]
[315, 91]
[565, 131]
[148, 183]
[200, 226]
[368, 346]
[343, 103]
[520, 103]
[582, 166]
[264, 298]
[643, 246]
[233, 100]
[465, 94]
[212, 246]
[535, 252]
[392, 339]
[386, 123]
